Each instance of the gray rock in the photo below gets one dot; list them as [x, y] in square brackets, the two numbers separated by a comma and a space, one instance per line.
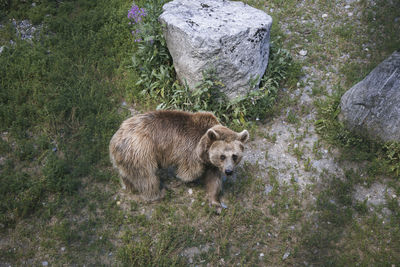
[230, 37]
[371, 107]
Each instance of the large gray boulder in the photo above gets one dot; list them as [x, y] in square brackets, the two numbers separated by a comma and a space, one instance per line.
[230, 37]
[372, 106]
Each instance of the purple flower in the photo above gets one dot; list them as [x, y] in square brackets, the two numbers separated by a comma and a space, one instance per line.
[136, 14]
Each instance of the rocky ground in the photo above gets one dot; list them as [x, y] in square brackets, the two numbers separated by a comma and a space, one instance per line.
[294, 148]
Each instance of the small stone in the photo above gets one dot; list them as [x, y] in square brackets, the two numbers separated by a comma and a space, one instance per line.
[268, 189]
[63, 249]
[223, 205]
[118, 203]
[286, 255]
[261, 254]
[1, 49]
[45, 263]
[324, 16]
[347, 6]
[350, 14]
[190, 191]
[303, 52]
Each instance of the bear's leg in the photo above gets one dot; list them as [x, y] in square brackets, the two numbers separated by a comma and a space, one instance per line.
[189, 172]
[214, 186]
[148, 185]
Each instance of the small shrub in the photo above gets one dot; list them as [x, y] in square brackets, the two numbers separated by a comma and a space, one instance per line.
[392, 156]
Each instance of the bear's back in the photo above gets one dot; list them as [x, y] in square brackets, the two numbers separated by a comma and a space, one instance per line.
[176, 124]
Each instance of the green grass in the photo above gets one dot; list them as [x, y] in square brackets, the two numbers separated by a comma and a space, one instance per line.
[57, 113]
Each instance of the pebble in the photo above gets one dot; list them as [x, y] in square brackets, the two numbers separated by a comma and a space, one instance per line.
[303, 52]
[261, 254]
[62, 248]
[190, 191]
[268, 189]
[1, 49]
[350, 14]
[347, 6]
[45, 263]
[223, 205]
[286, 255]
[324, 16]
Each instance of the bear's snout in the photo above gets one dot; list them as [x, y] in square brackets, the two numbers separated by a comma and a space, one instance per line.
[228, 171]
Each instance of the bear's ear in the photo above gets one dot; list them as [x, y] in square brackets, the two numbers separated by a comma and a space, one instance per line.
[243, 136]
[212, 135]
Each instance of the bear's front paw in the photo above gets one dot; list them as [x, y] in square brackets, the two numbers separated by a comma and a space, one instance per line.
[218, 206]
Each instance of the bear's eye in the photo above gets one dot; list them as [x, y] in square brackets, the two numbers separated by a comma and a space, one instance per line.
[234, 157]
[222, 157]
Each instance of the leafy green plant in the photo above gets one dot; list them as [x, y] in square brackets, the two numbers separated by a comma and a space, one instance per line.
[392, 156]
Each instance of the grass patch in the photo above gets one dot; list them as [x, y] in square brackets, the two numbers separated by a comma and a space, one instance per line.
[340, 226]
[58, 109]
[56, 114]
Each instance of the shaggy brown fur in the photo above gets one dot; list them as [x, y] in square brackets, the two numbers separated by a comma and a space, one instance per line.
[195, 143]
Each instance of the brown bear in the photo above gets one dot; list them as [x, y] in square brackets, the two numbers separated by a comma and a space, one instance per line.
[195, 143]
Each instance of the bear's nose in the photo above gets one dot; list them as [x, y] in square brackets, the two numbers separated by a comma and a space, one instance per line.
[228, 172]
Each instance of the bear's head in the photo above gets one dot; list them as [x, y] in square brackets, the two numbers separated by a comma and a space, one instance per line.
[223, 147]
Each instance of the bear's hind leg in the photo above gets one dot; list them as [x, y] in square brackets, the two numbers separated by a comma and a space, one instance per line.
[148, 186]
